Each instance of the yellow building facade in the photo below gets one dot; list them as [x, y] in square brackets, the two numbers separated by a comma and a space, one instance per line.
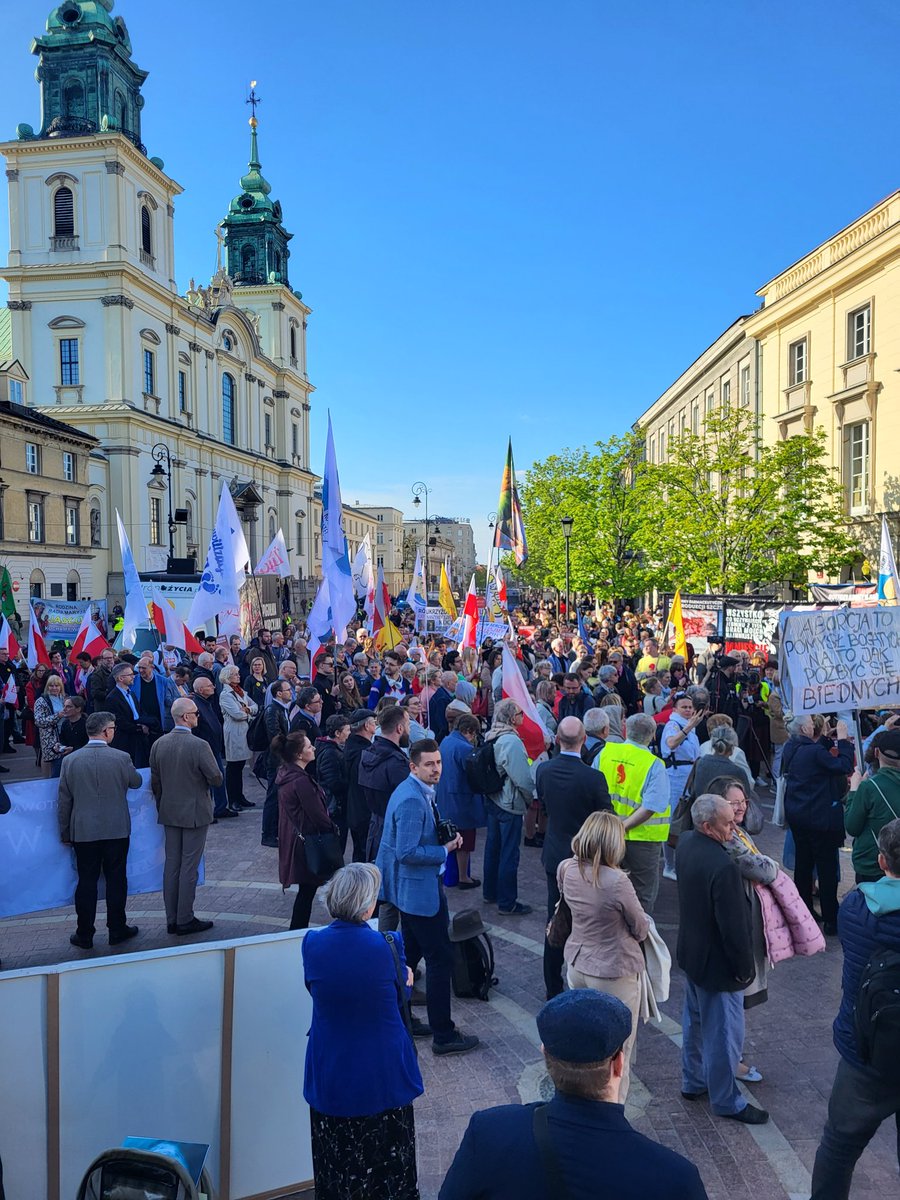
[829, 356]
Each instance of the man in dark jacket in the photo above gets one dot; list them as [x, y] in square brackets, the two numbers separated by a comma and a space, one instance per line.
[574, 701]
[209, 727]
[569, 791]
[816, 774]
[582, 1033]
[715, 951]
[382, 767]
[362, 730]
[626, 684]
[331, 770]
[437, 706]
[262, 648]
[277, 718]
[862, 1095]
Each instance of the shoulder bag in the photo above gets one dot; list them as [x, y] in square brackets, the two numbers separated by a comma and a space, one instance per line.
[681, 818]
[559, 928]
[402, 999]
[540, 1129]
[322, 851]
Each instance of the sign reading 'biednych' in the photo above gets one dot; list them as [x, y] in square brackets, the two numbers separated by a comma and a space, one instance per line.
[841, 659]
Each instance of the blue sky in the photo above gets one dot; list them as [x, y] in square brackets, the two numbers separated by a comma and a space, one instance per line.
[509, 217]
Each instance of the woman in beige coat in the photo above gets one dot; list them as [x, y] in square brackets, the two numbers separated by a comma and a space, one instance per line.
[603, 950]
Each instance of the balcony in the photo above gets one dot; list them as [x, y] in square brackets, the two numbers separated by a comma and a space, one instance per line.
[63, 244]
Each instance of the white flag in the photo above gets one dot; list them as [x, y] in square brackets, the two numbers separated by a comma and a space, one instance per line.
[415, 597]
[275, 560]
[135, 604]
[226, 558]
[362, 569]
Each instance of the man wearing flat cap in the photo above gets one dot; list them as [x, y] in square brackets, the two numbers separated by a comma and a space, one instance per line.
[872, 803]
[579, 1145]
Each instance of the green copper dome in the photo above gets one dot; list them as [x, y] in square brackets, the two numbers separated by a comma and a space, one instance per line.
[256, 243]
[80, 20]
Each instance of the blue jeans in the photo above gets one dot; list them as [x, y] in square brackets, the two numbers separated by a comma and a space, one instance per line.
[712, 1026]
[858, 1105]
[501, 856]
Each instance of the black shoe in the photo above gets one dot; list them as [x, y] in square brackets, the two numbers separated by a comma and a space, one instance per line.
[171, 928]
[473, 883]
[4, 770]
[83, 943]
[193, 926]
[535, 842]
[420, 1029]
[269, 841]
[417, 997]
[695, 1095]
[226, 812]
[123, 935]
[517, 910]
[829, 928]
[18, 739]
[8, 750]
[244, 804]
[751, 1115]
[461, 1044]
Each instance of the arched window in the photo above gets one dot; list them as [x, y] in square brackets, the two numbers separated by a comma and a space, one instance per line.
[228, 409]
[146, 230]
[95, 523]
[63, 213]
[272, 530]
[73, 586]
[121, 111]
[37, 584]
[73, 99]
[248, 261]
[294, 342]
[278, 263]
[189, 524]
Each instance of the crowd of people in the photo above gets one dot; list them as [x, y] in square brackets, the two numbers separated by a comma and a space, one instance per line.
[397, 758]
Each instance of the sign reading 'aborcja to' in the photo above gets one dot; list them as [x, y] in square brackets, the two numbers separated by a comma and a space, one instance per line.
[846, 658]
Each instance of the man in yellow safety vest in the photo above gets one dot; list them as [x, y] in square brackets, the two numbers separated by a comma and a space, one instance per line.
[639, 791]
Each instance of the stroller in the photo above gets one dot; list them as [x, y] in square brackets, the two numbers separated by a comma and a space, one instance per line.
[127, 1173]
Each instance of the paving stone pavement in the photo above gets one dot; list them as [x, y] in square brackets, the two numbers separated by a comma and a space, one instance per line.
[789, 1038]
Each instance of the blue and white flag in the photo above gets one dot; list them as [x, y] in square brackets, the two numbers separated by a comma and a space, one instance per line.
[888, 583]
[223, 574]
[335, 557]
[416, 596]
[135, 604]
[582, 631]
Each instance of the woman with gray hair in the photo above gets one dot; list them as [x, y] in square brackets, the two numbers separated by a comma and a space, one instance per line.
[545, 696]
[238, 710]
[361, 1073]
[717, 762]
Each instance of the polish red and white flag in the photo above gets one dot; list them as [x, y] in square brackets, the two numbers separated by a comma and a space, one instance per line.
[89, 639]
[468, 638]
[170, 627]
[8, 639]
[531, 731]
[37, 647]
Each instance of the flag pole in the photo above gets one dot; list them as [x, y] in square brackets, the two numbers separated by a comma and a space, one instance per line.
[486, 586]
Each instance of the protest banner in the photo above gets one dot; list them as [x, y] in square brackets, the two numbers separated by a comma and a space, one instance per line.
[433, 619]
[60, 620]
[840, 659]
[751, 625]
[39, 871]
[260, 605]
[703, 617]
[488, 629]
[179, 592]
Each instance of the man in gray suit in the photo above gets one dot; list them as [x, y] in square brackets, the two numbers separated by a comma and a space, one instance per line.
[182, 770]
[94, 819]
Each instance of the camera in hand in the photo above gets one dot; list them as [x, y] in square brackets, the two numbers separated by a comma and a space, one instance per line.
[446, 831]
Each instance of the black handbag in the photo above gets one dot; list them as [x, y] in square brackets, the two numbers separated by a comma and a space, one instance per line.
[322, 852]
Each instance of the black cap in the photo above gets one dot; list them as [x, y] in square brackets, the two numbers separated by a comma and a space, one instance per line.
[360, 715]
[584, 1026]
[887, 742]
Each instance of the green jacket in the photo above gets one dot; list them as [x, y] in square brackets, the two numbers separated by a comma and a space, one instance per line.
[875, 802]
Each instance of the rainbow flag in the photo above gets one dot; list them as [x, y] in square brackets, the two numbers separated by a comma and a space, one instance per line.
[510, 531]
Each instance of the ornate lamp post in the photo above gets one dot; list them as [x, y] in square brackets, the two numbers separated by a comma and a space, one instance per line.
[419, 490]
[567, 523]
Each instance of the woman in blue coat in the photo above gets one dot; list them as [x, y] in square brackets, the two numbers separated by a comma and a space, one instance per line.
[361, 1074]
[455, 799]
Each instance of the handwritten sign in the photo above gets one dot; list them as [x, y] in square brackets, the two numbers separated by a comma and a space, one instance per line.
[845, 658]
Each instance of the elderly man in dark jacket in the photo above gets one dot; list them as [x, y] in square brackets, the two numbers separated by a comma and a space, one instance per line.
[331, 770]
[865, 1093]
[383, 767]
[362, 730]
[816, 780]
[715, 951]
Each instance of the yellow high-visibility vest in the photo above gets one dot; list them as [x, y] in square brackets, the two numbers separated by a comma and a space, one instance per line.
[626, 768]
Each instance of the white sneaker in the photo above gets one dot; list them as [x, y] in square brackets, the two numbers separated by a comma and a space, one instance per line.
[669, 873]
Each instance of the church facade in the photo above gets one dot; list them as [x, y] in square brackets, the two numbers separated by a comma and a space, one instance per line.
[207, 387]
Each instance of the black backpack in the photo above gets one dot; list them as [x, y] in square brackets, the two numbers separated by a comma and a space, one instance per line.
[877, 1013]
[257, 734]
[481, 771]
[473, 968]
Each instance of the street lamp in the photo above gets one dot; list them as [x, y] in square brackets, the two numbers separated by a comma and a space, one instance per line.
[567, 523]
[161, 454]
[419, 490]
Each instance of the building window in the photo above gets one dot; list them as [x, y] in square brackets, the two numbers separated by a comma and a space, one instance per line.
[149, 372]
[228, 409]
[35, 520]
[857, 467]
[293, 336]
[651, 450]
[859, 333]
[299, 537]
[189, 523]
[155, 521]
[798, 363]
[695, 417]
[379, 538]
[36, 584]
[726, 393]
[95, 524]
[182, 391]
[248, 261]
[379, 561]
[32, 458]
[68, 467]
[227, 342]
[662, 445]
[146, 231]
[272, 529]
[745, 387]
[267, 425]
[63, 213]
[16, 391]
[69, 372]
[710, 401]
[73, 533]
[295, 439]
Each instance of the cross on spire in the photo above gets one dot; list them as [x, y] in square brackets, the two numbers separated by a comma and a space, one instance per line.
[253, 100]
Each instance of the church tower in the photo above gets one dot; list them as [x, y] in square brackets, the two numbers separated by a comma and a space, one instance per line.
[256, 242]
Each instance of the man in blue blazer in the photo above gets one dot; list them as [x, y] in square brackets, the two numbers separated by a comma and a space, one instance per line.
[411, 861]
[578, 1145]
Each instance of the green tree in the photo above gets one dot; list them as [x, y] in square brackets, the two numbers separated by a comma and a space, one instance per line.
[602, 491]
[736, 514]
